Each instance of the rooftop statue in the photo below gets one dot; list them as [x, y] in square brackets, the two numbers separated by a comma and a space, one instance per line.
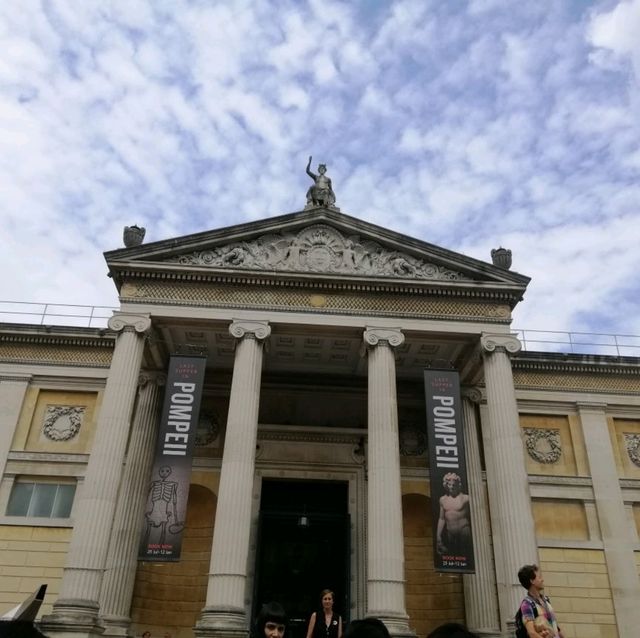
[321, 193]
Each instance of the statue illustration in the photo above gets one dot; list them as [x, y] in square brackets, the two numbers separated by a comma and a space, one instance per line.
[321, 193]
[162, 506]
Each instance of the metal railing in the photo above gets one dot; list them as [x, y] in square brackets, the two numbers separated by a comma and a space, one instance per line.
[46, 314]
[55, 314]
[579, 342]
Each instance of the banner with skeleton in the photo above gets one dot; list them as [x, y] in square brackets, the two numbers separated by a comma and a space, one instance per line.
[450, 503]
[166, 505]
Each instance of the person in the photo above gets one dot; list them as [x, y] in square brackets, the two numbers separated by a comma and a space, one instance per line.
[321, 193]
[454, 518]
[367, 628]
[538, 616]
[146, 634]
[325, 623]
[451, 630]
[271, 621]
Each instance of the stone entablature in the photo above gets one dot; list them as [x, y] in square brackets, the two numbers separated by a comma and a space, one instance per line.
[573, 372]
[319, 249]
[56, 346]
[254, 295]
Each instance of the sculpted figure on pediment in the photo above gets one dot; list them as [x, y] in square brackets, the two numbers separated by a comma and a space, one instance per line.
[320, 249]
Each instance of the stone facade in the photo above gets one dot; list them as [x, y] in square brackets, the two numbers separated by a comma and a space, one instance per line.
[317, 328]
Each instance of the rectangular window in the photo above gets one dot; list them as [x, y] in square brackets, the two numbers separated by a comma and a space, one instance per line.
[44, 500]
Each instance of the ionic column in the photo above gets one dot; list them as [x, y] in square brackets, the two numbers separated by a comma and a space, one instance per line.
[514, 539]
[76, 610]
[616, 535]
[480, 594]
[12, 390]
[385, 540]
[224, 613]
[120, 573]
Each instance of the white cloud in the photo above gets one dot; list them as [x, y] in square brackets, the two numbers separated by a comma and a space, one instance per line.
[463, 124]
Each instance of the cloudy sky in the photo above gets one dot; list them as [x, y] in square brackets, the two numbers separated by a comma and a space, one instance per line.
[466, 123]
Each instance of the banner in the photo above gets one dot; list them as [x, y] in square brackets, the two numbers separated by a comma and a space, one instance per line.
[451, 509]
[166, 506]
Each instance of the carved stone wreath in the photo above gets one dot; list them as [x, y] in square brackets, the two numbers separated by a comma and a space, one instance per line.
[208, 428]
[62, 422]
[543, 445]
[632, 444]
[413, 440]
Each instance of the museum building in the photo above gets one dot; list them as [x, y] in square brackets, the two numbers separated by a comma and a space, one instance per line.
[311, 463]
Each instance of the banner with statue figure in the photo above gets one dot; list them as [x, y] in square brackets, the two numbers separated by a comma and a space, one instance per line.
[450, 503]
[168, 492]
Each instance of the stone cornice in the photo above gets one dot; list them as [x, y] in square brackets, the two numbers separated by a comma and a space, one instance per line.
[467, 290]
[98, 338]
[49, 457]
[583, 364]
[575, 481]
[310, 435]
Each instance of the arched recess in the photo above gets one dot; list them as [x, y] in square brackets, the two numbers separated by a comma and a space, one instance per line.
[170, 596]
[432, 598]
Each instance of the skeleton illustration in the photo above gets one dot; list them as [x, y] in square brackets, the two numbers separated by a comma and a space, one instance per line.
[162, 505]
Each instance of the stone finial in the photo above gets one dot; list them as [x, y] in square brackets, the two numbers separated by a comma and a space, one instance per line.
[501, 257]
[133, 235]
[321, 192]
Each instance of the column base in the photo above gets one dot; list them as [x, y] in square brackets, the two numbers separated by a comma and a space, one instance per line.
[116, 626]
[397, 625]
[218, 623]
[73, 619]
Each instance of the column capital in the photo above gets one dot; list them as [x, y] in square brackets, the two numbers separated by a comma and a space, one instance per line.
[241, 328]
[474, 394]
[152, 376]
[374, 336]
[501, 342]
[121, 321]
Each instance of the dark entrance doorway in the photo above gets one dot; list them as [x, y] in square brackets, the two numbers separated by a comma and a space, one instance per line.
[303, 548]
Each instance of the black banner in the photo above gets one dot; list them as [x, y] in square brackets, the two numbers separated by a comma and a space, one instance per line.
[166, 506]
[451, 509]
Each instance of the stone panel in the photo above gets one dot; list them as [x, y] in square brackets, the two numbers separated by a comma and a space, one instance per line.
[548, 445]
[577, 583]
[30, 556]
[626, 440]
[40, 409]
[560, 519]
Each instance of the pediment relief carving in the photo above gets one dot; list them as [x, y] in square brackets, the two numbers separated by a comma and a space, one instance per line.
[319, 249]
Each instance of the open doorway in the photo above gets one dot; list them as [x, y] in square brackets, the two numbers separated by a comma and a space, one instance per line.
[303, 548]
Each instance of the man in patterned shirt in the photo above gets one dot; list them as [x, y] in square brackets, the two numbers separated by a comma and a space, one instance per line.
[538, 616]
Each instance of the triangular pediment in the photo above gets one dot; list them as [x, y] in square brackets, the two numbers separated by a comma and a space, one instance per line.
[316, 242]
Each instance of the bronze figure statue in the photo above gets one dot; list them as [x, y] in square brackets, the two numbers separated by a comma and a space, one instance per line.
[321, 193]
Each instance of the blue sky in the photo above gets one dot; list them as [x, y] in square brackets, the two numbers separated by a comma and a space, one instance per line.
[466, 123]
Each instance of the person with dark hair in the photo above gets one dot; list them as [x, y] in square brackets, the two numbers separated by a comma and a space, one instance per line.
[538, 617]
[451, 630]
[271, 621]
[325, 623]
[367, 628]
